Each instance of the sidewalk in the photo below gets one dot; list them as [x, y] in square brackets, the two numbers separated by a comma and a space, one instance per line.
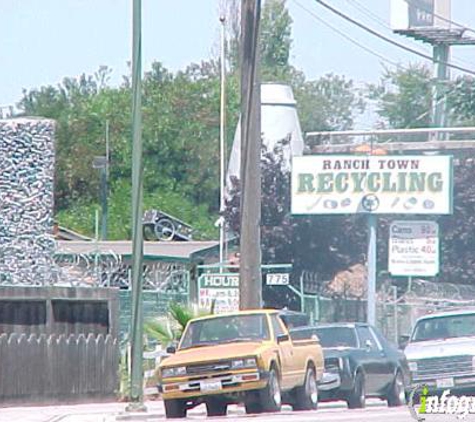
[91, 412]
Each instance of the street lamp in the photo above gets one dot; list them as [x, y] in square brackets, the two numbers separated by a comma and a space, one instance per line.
[222, 144]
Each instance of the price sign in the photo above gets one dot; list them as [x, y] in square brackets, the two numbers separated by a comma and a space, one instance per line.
[413, 248]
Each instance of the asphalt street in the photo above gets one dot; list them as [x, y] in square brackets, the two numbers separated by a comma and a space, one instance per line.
[111, 412]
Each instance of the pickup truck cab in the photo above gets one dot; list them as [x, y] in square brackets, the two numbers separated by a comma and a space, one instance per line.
[441, 350]
[244, 357]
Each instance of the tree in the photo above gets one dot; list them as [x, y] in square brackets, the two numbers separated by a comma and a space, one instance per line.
[321, 244]
[401, 87]
[80, 106]
[181, 120]
[180, 128]
[328, 103]
[461, 101]
[276, 41]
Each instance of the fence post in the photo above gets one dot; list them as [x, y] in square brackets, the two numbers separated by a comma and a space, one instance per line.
[302, 297]
[396, 325]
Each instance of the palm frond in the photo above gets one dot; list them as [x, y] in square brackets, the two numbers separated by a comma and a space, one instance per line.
[181, 314]
[159, 330]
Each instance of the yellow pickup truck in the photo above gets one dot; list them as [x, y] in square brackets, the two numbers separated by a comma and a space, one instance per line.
[244, 357]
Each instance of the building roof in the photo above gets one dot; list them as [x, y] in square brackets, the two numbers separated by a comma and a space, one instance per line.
[185, 251]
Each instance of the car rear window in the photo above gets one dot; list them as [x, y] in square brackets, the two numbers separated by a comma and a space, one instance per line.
[337, 336]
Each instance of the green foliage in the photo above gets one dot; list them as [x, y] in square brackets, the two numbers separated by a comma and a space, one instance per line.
[320, 244]
[326, 245]
[171, 329]
[400, 88]
[461, 101]
[276, 41]
[180, 129]
[329, 103]
[81, 217]
[160, 331]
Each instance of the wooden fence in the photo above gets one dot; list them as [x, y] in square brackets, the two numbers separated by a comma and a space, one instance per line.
[41, 367]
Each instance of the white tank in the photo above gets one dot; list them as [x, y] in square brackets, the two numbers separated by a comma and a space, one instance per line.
[278, 120]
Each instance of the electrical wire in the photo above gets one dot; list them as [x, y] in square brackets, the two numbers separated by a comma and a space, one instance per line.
[390, 41]
[363, 9]
[376, 18]
[348, 38]
[368, 50]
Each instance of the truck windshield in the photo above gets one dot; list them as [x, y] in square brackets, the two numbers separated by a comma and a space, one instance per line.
[225, 329]
[337, 336]
[444, 327]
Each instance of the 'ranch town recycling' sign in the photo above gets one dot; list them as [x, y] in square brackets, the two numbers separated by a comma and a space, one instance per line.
[349, 184]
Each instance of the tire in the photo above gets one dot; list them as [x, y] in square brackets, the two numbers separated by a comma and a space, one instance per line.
[252, 406]
[269, 399]
[175, 409]
[396, 395]
[306, 396]
[356, 397]
[216, 407]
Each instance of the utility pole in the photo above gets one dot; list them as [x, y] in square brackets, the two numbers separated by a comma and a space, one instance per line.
[250, 295]
[136, 329]
[372, 259]
[222, 144]
[429, 22]
[441, 52]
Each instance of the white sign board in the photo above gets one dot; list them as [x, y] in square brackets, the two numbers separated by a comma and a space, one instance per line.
[278, 279]
[413, 248]
[222, 289]
[350, 184]
[413, 14]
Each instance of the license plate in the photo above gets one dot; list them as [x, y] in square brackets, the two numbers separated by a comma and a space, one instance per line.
[445, 383]
[210, 385]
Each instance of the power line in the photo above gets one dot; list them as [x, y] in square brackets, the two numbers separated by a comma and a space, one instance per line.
[383, 58]
[363, 9]
[442, 18]
[348, 38]
[376, 18]
[395, 43]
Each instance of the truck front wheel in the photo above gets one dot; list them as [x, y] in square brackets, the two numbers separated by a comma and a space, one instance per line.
[175, 409]
[216, 407]
[271, 396]
[269, 399]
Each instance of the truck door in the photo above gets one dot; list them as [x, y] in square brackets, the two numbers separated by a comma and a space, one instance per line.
[285, 353]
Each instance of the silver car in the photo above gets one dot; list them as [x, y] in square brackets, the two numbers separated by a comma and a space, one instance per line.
[441, 350]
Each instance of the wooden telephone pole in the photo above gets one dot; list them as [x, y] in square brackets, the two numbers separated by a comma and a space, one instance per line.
[250, 296]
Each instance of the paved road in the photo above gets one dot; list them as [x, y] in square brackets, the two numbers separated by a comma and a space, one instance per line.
[111, 412]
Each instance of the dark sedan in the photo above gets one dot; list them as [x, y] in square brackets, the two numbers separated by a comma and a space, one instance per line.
[360, 363]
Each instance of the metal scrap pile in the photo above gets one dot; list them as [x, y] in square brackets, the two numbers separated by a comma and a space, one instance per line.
[26, 200]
